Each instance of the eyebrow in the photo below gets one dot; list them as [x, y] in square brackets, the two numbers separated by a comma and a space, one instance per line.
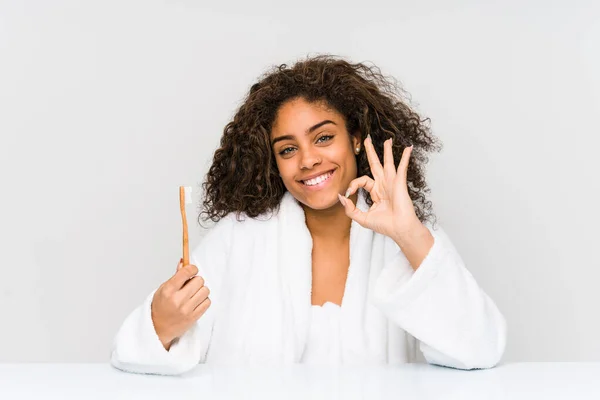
[308, 131]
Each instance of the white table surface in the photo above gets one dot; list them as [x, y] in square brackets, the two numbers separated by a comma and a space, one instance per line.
[411, 381]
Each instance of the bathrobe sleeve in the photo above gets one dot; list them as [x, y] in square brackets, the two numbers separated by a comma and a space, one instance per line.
[442, 306]
[136, 346]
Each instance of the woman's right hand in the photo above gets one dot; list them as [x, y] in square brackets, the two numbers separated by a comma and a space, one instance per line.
[178, 303]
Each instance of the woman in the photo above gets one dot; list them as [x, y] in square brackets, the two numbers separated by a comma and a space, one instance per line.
[321, 253]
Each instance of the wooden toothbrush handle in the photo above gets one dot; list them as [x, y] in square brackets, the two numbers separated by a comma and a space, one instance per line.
[186, 251]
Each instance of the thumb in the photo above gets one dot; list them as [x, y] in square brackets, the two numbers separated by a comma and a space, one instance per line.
[180, 265]
[352, 211]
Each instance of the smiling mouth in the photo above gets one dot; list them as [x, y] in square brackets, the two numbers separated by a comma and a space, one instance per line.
[319, 179]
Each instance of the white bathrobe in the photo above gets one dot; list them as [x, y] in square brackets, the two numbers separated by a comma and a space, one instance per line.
[259, 273]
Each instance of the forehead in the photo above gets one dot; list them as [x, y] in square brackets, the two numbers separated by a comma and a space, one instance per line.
[298, 115]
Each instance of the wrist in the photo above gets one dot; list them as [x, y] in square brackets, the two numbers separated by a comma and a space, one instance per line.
[415, 243]
[416, 233]
[163, 336]
[165, 340]
[166, 343]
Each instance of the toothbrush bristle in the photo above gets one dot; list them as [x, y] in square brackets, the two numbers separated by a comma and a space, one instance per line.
[188, 194]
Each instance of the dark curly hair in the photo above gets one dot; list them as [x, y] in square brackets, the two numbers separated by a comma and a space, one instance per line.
[244, 178]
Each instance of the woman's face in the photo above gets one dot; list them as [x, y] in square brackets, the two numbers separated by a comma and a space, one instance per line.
[315, 153]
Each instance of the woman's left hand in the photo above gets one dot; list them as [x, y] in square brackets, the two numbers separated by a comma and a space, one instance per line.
[392, 213]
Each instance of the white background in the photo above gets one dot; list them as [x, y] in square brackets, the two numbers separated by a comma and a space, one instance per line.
[106, 107]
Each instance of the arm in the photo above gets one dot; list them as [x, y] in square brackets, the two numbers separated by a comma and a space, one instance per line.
[416, 244]
[442, 306]
[137, 347]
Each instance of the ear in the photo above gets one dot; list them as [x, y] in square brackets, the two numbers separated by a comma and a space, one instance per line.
[355, 140]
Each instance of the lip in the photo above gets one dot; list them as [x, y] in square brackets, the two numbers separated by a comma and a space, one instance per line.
[315, 175]
[321, 185]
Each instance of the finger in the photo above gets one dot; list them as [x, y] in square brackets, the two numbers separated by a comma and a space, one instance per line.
[180, 264]
[201, 309]
[198, 297]
[403, 165]
[182, 276]
[388, 160]
[364, 181]
[374, 163]
[352, 211]
[191, 287]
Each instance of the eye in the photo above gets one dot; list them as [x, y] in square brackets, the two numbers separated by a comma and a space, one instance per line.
[286, 151]
[324, 138]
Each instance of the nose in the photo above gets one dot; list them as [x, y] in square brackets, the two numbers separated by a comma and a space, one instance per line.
[309, 159]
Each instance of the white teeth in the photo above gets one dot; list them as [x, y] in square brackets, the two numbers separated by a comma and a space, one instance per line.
[317, 180]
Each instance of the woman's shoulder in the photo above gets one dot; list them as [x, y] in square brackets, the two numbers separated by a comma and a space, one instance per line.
[238, 227]
[235, 223]
[231, 232]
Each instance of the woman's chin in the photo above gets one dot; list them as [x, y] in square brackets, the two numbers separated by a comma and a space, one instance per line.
[320, 201]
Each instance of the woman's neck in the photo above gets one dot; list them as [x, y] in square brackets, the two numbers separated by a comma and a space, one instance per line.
[330, 224]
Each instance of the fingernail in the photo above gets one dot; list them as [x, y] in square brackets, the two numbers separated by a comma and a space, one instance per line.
[342, 199]
[347, 193]
[369, 136]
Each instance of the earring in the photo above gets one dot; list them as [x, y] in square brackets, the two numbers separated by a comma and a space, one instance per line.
[357, 150]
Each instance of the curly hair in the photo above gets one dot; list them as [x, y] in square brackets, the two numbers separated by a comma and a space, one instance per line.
[244, 177]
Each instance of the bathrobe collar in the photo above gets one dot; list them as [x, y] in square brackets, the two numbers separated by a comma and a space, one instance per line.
[295, 262]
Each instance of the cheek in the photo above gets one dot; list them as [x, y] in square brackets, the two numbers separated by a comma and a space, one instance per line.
[353, 170]
[284, 170]
[352, 164]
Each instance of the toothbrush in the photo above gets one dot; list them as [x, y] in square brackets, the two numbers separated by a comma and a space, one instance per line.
[185, 197]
